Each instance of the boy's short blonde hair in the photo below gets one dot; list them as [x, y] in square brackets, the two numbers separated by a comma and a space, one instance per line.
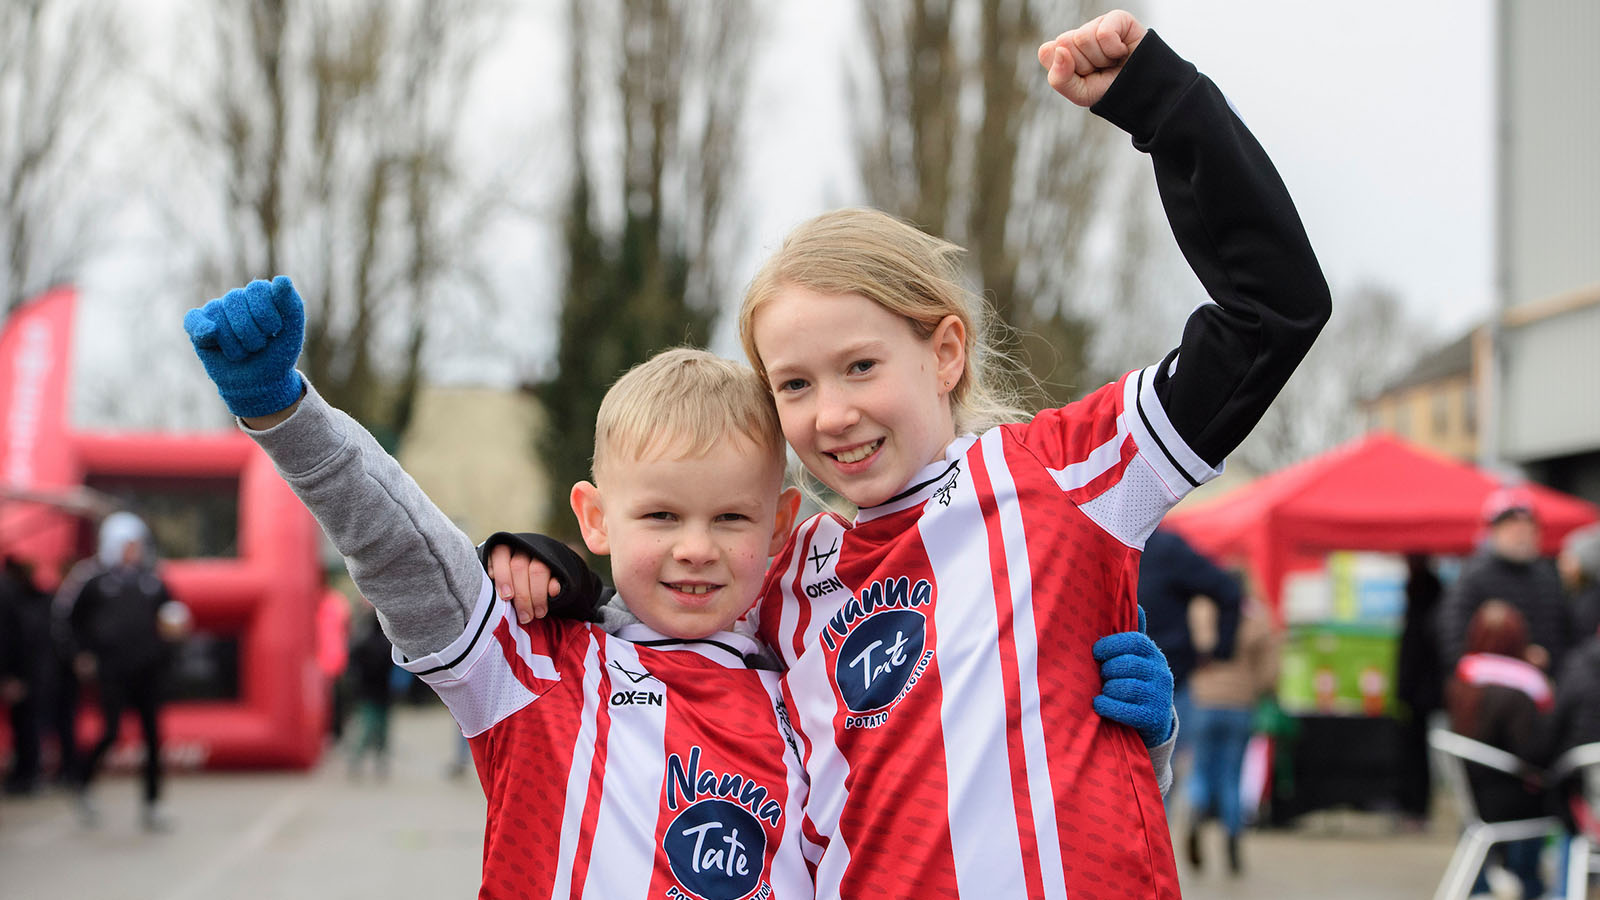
[685, 401]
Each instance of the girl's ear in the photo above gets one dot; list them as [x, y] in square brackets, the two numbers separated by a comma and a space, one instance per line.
[788, 509]
[587, 506]
[949, 343]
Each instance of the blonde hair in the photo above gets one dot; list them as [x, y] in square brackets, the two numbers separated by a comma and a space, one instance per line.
[910, 273]
[685, 400]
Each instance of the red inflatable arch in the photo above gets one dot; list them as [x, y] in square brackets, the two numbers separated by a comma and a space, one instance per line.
[252, 579]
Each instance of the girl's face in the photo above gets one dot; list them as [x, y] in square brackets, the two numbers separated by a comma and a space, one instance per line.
[864, 401]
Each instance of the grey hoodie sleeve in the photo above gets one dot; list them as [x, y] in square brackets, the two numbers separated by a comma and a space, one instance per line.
[416, 567]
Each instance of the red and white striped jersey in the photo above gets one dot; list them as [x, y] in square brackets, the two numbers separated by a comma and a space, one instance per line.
[626, 765]
[940, 671]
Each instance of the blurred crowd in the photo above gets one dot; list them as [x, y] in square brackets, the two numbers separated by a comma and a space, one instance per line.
[1506, 653]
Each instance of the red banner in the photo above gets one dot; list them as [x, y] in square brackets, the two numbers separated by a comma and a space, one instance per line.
[35, 362]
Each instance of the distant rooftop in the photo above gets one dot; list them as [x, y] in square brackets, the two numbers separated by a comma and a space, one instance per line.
[1454, 358]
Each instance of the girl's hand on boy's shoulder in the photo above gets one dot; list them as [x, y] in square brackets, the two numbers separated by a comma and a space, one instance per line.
[1082, 63]
[524, 581]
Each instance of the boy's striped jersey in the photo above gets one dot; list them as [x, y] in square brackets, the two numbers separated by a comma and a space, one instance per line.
[940, 670]
[626, 765]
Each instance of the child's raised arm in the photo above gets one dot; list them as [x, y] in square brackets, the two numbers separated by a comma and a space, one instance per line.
[1231, 215]
[415, 566]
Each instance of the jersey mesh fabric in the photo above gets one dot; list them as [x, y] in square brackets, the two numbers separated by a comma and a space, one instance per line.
[941, 673]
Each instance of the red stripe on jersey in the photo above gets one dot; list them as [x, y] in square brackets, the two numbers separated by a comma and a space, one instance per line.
[794, 590]
[597, 778]
[1109, 478]
[807, 827]
[1010, 675]
[1060, 437]
[886, 858]
[518, 665]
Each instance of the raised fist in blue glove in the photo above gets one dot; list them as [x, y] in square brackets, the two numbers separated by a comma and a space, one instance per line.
[249, 339]
[1135, 684]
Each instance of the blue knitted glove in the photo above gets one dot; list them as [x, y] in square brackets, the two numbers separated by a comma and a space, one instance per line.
[1136, 684]
[248, 339]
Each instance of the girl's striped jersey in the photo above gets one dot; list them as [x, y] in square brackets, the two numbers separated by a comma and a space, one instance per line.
[941, 673]
[939, 646]
[625, 765]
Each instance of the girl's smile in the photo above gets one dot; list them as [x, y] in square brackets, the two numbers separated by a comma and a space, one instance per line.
[863, 398]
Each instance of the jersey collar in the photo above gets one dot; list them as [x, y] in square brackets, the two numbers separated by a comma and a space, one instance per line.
[930, 479]
[725, 648]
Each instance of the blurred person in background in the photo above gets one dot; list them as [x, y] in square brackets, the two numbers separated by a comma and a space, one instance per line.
[371, 673]
[1419, 685]
[1224, 695]
[1498, 696]
[333, 655]
[1172, 575]
[1508, 568]
[125, 625]
[24, 668]
[1579, 565]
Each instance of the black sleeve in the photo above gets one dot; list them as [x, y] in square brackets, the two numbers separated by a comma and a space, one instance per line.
[1237, 227]
[582, 593]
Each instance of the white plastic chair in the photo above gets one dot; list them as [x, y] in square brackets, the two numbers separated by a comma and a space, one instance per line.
[1451, 753]
[1582, 762]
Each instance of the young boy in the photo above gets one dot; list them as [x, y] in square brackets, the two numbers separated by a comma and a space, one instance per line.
[659, 742]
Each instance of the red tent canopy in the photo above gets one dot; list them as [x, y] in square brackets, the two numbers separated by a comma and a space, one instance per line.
[1375, 493]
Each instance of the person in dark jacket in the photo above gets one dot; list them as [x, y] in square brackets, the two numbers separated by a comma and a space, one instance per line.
[370, 669]
[1579, 564]
[124, 630]
[1498, 697]
[24, 666]
[1419, 684]
[1509, 568]
[1171, 575]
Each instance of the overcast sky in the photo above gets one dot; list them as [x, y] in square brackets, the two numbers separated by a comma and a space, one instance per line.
[1379, 117]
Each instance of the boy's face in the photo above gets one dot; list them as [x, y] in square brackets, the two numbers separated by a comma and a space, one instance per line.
[689, 537]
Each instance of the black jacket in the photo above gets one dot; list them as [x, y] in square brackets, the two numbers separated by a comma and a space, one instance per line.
[1171, 573]
[1533, 588]
[114, 618]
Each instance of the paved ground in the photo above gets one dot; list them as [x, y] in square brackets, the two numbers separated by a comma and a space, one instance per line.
[323, 836]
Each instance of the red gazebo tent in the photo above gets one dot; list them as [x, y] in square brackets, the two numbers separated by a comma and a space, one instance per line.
[1375, 493]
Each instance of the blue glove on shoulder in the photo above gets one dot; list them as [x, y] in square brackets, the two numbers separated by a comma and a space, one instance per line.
[1136, 684]
[248, 340]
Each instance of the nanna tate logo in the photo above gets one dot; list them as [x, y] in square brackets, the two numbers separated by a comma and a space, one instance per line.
[717, 846]
[882, 654]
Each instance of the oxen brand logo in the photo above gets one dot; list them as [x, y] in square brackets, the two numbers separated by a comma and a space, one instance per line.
[716, 845]
[638, 698]
[820, 557]
[824, 587]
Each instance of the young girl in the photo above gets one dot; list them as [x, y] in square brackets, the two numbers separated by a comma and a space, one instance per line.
[938, 645]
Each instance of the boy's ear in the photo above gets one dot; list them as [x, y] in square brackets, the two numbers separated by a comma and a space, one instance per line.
[949, 342]
[587, 506]
[788, 509]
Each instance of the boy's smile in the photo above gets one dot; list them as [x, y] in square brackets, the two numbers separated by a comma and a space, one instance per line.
[689, 536]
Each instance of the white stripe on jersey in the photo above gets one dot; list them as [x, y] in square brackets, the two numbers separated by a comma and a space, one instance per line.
[635, 766]
[1169, 455]
[479, 701]
[988, 858]
[1099, 461]
[578, 775]
[1132, 507]
[1026, 640]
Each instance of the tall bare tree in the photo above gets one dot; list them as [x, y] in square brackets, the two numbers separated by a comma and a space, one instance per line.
[1369, 342]
[329, 135]
[56, 62]
[959, 132]
[648, 224]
